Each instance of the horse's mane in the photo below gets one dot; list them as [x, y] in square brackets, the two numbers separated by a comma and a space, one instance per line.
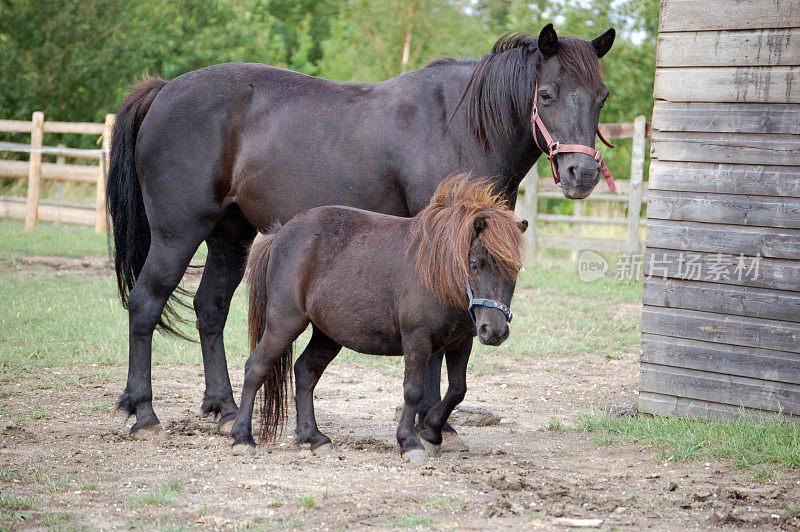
[441, 236]
[499, 94]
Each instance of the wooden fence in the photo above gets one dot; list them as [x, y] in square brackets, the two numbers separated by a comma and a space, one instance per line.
[32, 208]
[631, 191]
[35, 171]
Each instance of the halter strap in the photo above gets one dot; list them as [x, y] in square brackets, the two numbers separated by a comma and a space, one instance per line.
[554, 148]
[489, 303]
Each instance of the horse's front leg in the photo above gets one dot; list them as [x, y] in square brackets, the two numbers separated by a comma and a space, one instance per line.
[433, 378]
[416, 352]
[457, 358]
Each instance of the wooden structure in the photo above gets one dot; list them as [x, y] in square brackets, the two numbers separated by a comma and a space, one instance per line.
[630, 191]
[35, 171]
[721, 315]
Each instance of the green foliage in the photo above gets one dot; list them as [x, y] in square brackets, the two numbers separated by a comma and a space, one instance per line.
[74, 59]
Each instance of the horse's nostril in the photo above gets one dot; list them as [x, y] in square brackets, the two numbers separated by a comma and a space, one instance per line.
[483, 330]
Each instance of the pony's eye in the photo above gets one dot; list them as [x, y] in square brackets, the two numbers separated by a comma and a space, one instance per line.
[474, 265]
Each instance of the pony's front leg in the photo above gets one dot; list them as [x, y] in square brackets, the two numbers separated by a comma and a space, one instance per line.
[416, 351]
[457, 359]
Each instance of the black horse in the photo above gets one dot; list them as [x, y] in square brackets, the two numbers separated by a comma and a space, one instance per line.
[219, 153]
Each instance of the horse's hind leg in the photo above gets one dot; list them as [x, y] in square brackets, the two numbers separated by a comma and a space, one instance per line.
[160, 275]
[457, 359]
[308, 369]
[227, 257]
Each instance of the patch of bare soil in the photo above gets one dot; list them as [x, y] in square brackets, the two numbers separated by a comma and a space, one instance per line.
[66, 451]
[74, 267]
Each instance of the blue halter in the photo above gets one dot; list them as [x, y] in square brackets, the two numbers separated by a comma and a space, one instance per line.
[489, 303]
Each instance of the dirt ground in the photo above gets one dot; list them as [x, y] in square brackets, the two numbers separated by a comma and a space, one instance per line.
[74, 457]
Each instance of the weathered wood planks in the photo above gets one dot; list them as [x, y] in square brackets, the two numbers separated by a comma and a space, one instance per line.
[760, 47]
[722, 298]
[726, 148]
[725, 359]
[779, 274]
[706, 15]
[737, 209]
[755, 118]
[728, 84]
[722, 328]
[689, 176]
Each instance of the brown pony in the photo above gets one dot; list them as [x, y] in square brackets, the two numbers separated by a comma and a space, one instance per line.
[380, 285]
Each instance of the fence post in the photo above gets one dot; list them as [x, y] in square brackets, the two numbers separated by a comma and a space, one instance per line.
[34, 171]
[59, 184]
[531, 206]
[633, 243]
[101, 218]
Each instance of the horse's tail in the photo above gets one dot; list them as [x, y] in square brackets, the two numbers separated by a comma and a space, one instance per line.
[279, 379]
[124, 196]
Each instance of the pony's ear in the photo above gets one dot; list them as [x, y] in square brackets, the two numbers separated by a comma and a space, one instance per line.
[548, 41]
[603, 43]
[479, 224]
[523, 225]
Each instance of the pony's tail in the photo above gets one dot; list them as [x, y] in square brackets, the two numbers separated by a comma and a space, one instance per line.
[277, 387]
[124, 195]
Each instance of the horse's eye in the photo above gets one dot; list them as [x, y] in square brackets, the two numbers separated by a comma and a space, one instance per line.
[474, 265]
[545, 97]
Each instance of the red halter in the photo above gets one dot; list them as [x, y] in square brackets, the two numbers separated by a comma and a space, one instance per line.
[554, 148]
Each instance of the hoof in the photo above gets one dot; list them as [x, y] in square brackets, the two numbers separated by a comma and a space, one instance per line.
[433, 450]
[415, 455]
[243, 449]
[225, 428]
[452, 443]
[146, 433]
[324, 449]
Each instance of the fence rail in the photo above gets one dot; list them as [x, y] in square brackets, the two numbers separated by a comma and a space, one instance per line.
[631, 191]
[35, 171]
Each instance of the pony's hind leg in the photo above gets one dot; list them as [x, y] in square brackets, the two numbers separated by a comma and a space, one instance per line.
[160, 275]
[227, 256]
[308, 369]
[275, 343]
[433, 423]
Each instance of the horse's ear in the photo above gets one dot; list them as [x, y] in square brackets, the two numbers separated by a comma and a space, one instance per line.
[603, 43]
[548, 41]
[523, 225]
[479, 224]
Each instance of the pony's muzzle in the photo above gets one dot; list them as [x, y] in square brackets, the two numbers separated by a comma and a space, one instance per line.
[580, 173]
[489, 335]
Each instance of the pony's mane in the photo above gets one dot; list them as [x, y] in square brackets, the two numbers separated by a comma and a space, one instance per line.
[441, 236]
[499, 94]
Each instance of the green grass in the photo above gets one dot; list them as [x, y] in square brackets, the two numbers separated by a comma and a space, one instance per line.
[442, 502]
[56, 519]
[163, 495]
[48, 239]
[411, 521]
[50, 320]
[306, 501]
[756, 445]
[793, 509]
[9, 502]
[91, 485]
[554, 424]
